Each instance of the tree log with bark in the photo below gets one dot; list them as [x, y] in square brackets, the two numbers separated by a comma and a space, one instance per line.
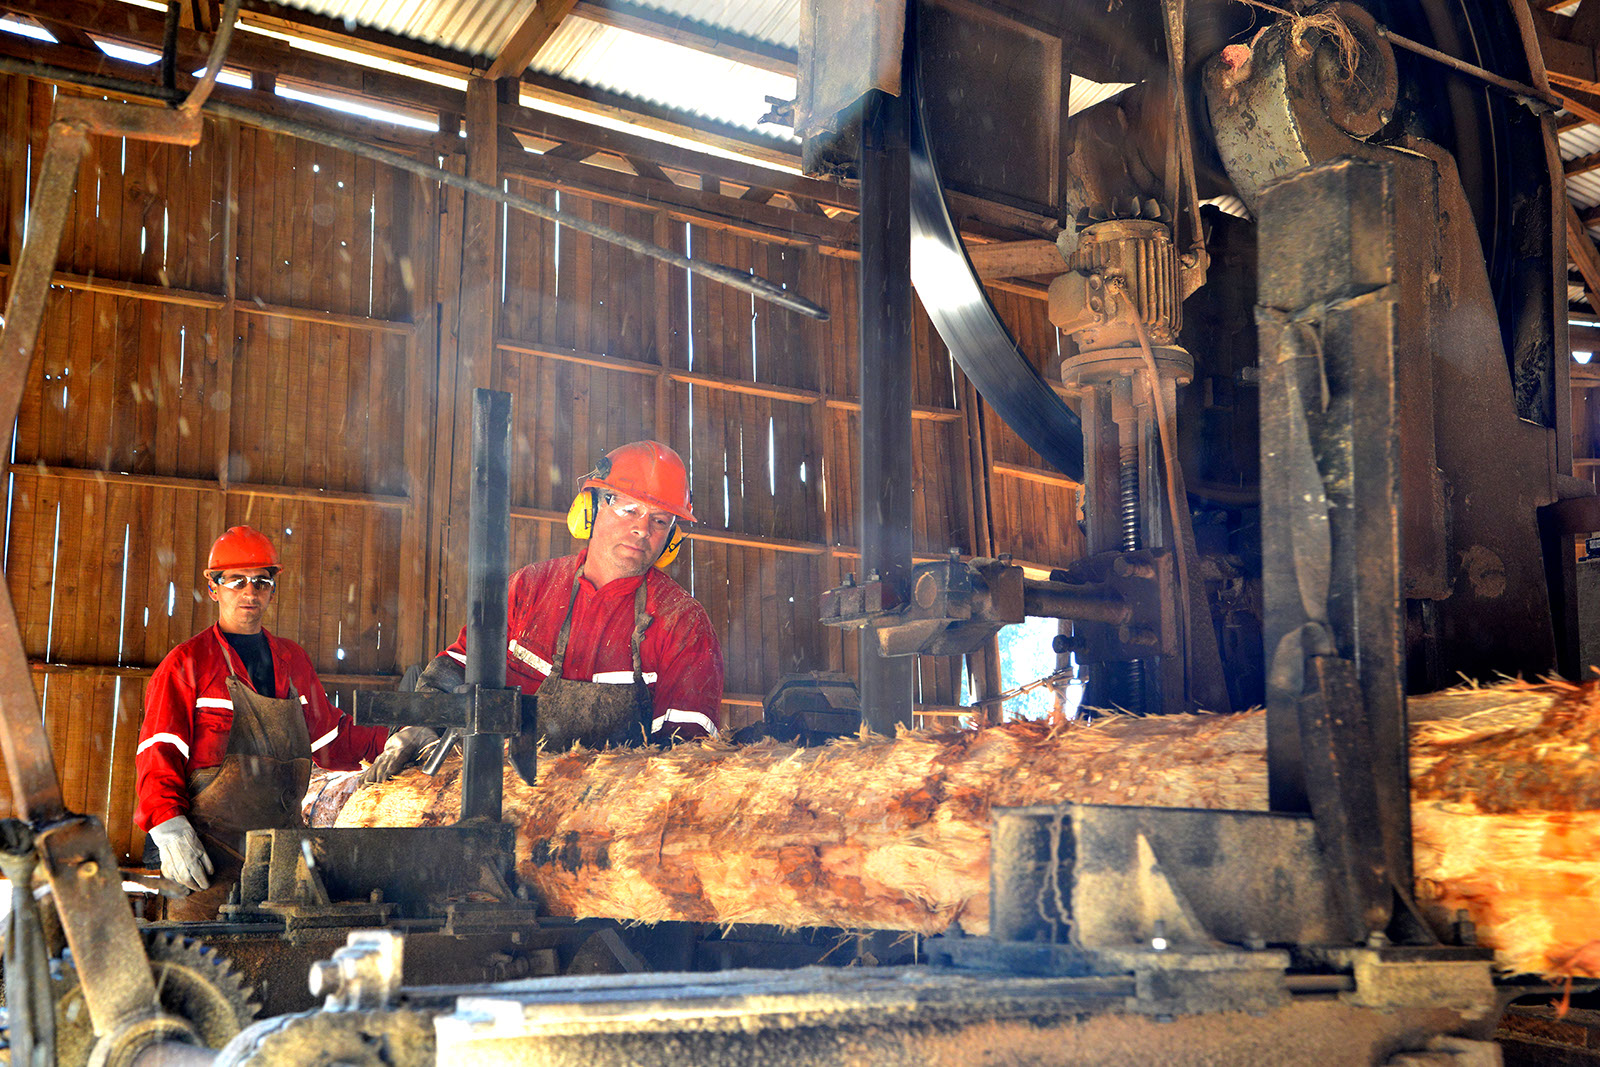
[894, 833]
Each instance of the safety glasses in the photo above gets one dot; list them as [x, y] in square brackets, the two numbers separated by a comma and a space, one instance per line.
[261, 582]
[633, 511]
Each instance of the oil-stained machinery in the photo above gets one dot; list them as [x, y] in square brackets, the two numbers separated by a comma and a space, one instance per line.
[1366, 465]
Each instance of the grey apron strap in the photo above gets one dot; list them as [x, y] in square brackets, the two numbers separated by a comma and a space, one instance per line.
[559, 660]
[641, 622]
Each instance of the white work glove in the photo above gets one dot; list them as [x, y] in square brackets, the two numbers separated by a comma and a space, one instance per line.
[183, 857]
[403, 748]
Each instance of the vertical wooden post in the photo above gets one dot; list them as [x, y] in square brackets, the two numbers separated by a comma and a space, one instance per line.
[418, 635]
[228, 334]
[473, 361]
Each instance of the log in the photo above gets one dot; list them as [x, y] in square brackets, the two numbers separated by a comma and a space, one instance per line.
[893, 833]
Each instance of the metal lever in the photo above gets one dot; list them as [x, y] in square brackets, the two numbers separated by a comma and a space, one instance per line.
[441, 749]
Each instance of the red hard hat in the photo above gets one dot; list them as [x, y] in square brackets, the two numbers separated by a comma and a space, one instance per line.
[242, 548]
[649, 472]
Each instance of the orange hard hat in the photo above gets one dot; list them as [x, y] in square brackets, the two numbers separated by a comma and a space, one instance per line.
[241, 548]
[647, 471]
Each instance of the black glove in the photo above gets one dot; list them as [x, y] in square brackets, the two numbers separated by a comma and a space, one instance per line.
[442, 675]
[402, 749]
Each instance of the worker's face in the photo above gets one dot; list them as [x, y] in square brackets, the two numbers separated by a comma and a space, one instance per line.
[239, 610]
[628, 536]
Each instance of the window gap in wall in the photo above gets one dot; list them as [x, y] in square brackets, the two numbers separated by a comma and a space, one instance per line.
[116, 717]
[11, 494]
[505, 237]
[372, 250]
[55, 561]
[688, 290]
[122, 607]
[772, 457]
[755, 372]
[555, 258]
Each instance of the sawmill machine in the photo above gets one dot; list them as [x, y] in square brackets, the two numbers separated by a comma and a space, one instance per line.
[1322, 445]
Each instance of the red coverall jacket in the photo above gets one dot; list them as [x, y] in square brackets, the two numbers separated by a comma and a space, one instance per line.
[187, 716]
[680, 653]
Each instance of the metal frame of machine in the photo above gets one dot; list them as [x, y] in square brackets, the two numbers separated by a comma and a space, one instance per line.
[1283, 936]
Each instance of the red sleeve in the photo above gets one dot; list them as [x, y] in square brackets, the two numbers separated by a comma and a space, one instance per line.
[521, 600]
[688, 692]
[337, 743]
[166, 737]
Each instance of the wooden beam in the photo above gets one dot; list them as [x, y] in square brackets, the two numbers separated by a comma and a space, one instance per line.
[537, 27]
[553, 127]
[138, 290]
[919, 412]
[1590, 215]
[698, 533]
[688, 33]
[1567, 61]
[1016, 259]
[1581, 165]
[1035, 474]
[382, 681]
[252, 52]
[161, 481]
[1585, 105]
[763, 221]
[250, 306]
[1582, 252]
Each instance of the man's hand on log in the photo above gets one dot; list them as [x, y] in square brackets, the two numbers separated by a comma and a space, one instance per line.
[403, 748]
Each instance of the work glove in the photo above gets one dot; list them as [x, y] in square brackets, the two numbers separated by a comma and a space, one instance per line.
[403, 748]
[183, 857]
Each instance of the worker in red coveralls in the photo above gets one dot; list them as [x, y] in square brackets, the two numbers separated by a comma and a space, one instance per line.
[617, 652]
[233, 719]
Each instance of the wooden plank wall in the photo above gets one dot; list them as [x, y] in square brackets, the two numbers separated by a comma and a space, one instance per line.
[283, 363]
[176, 393]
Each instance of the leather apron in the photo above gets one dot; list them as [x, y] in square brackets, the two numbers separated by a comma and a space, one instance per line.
[593, 714]
[259, 785]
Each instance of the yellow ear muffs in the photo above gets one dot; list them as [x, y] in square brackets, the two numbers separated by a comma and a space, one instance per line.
[580, 516]
[674, 542]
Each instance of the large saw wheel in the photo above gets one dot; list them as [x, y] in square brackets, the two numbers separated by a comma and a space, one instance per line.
[193, 982]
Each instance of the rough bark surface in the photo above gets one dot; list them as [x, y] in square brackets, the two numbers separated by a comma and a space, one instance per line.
[893, 833]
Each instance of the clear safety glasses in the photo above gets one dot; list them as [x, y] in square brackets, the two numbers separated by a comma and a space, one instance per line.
[261, 582]
[632, 511]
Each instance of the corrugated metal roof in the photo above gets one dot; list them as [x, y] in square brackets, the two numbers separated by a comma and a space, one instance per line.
[664, 74]
[478, 27]
[1580, 141]
[1584, 189]
[773, 21]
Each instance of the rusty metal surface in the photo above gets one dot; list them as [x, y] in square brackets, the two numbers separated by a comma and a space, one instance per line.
[1100, 876]
[1331, 488]
[912, 1016]
[99, 926]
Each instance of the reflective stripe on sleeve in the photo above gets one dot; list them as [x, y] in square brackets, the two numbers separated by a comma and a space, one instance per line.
[459, 657]
[303, 700]
[322, 742]
[693, 718]
[532, 659]
[169, 739]
[623, 677]
[213, 702]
